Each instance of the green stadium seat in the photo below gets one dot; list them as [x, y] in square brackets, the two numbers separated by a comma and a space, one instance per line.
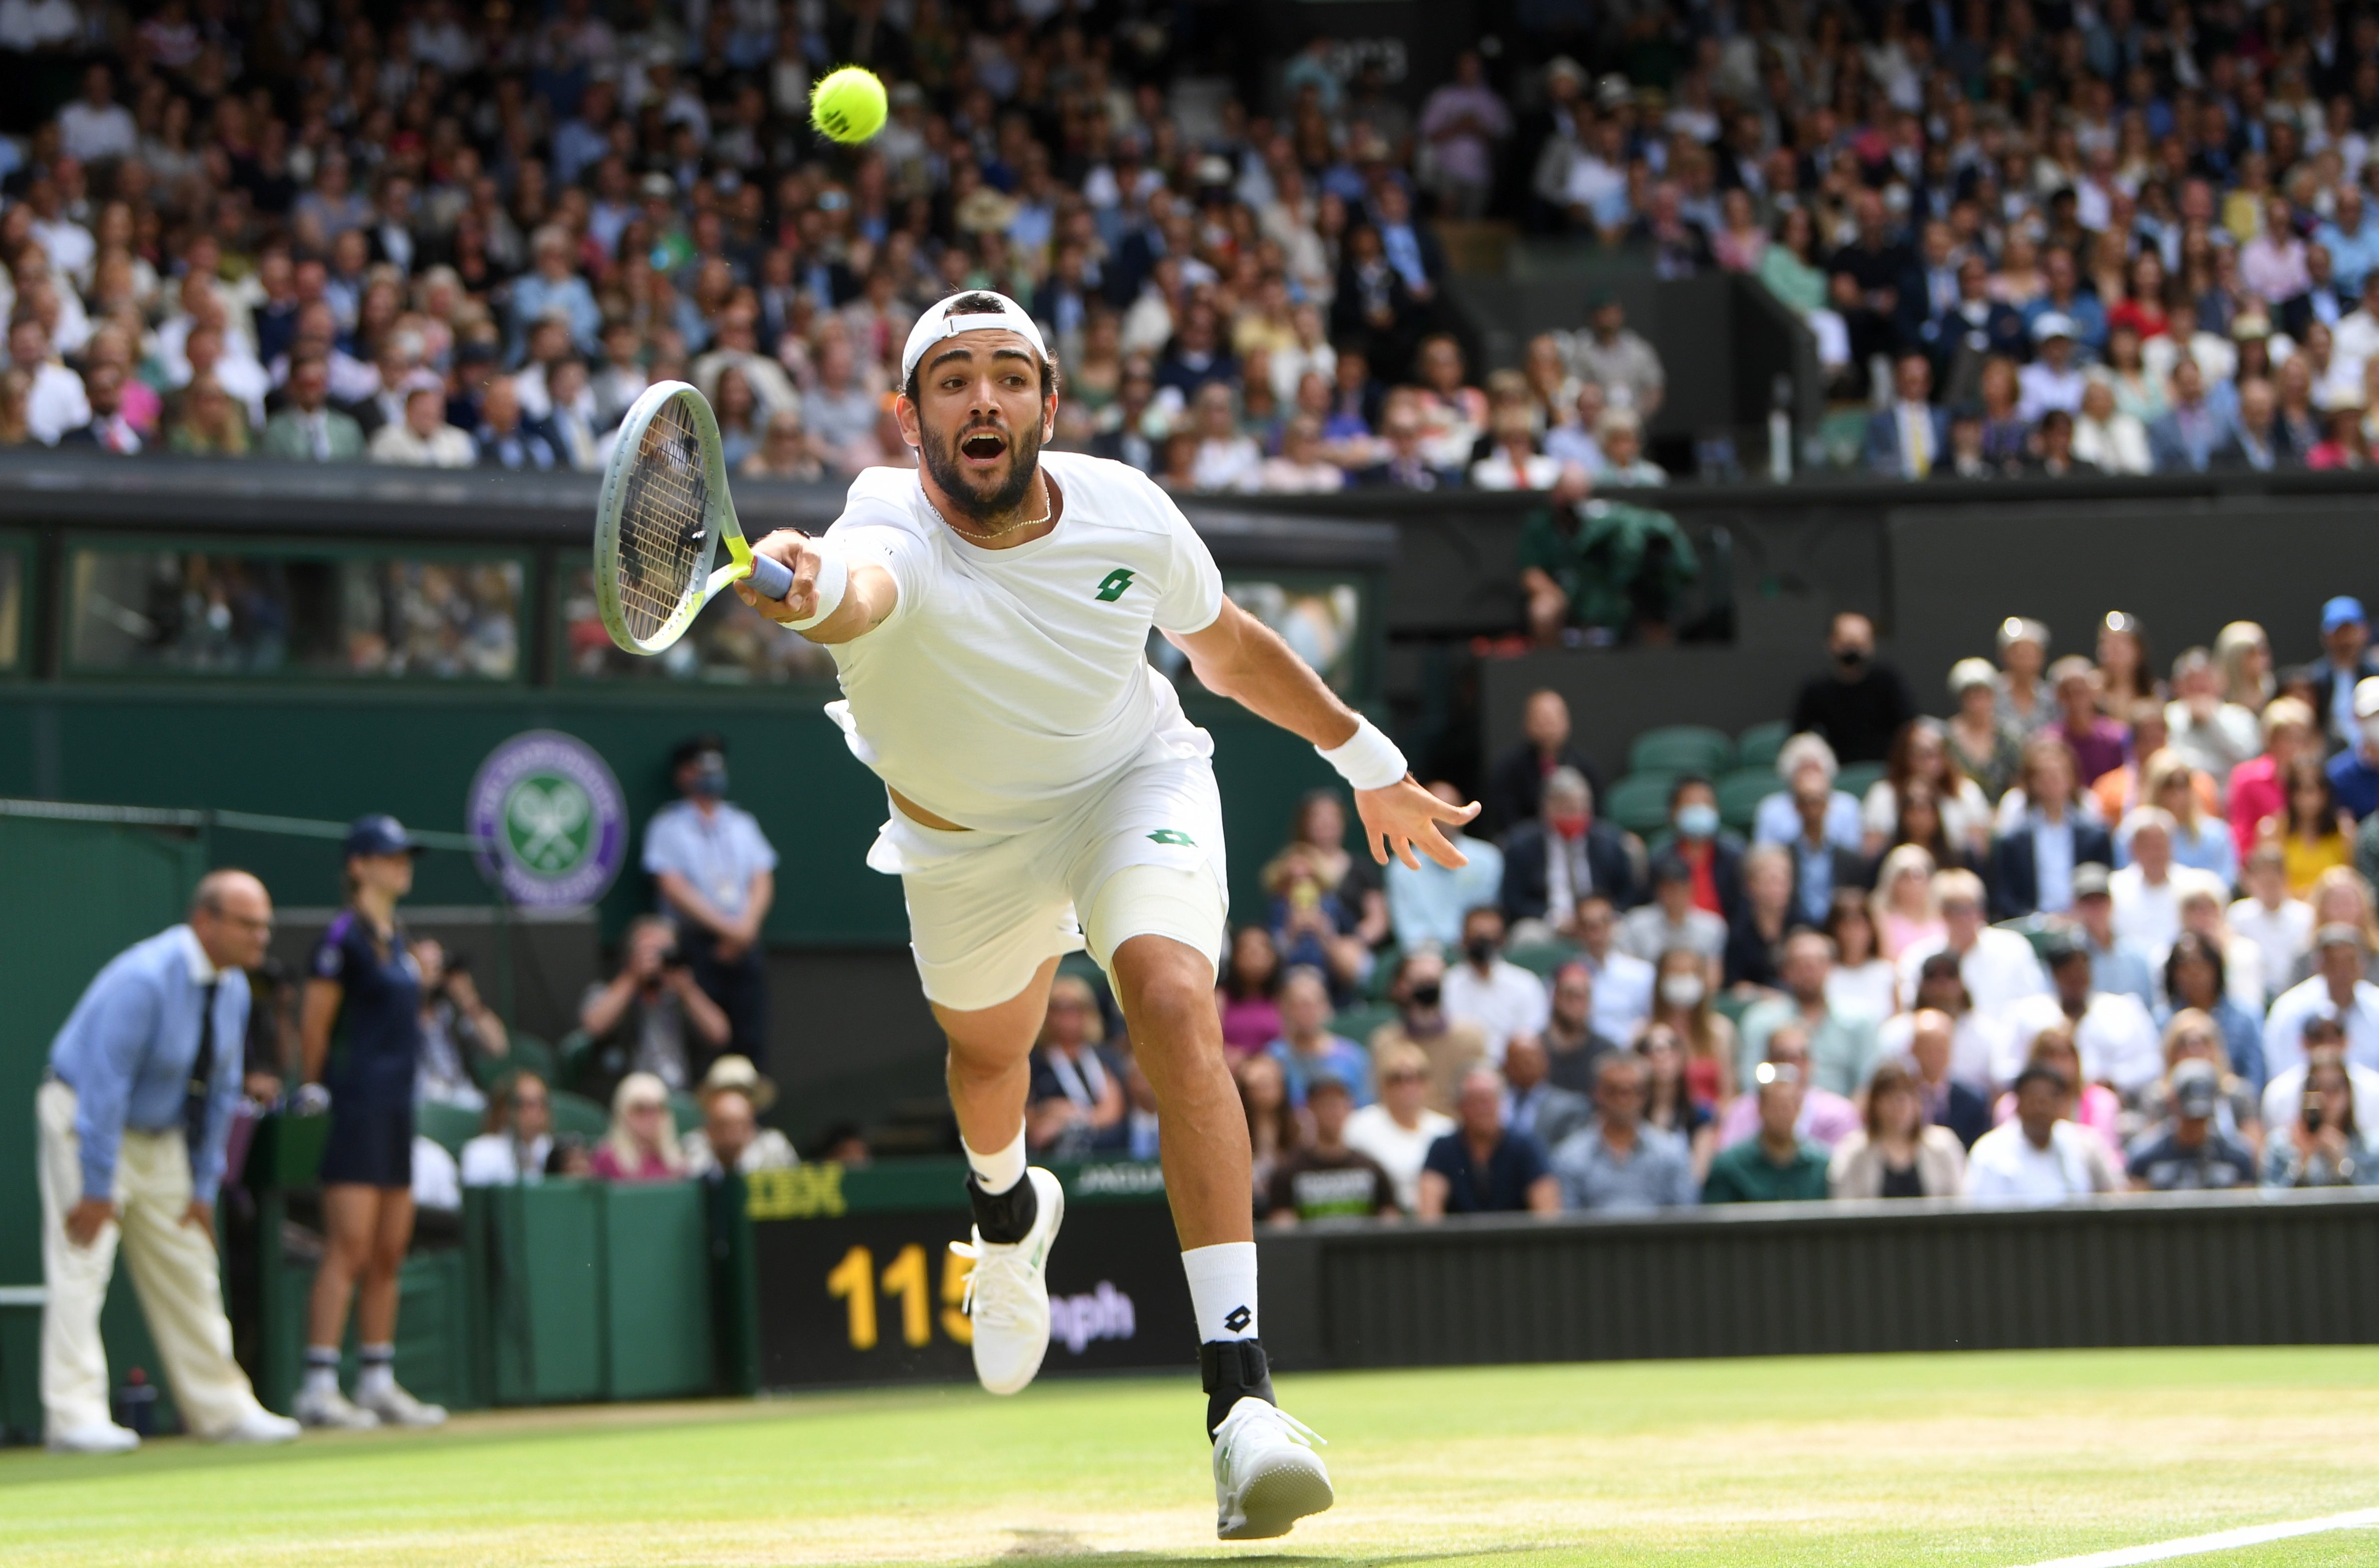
[1640, 803]
[1740, 792]
[449, 1127]
[527, 1053]
[577, 1113]
[686, 1111]
[1758, 747]
[1540, 958]
[1383, 972]
[1680, 748]
[1856, 779]
[1356, 1024]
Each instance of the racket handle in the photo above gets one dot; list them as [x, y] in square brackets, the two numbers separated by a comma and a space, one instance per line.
[771, 579]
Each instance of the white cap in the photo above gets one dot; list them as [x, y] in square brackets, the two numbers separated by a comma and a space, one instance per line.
[937, 323]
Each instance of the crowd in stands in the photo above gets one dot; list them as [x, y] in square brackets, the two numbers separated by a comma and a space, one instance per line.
[2092, 928]
[459, 235]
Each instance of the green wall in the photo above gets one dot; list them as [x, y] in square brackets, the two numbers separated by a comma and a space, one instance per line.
[335, 751]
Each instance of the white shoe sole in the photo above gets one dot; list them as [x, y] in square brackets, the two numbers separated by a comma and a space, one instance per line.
[1293, 1488]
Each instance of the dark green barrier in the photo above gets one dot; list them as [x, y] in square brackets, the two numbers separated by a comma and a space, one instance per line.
[855, 1282]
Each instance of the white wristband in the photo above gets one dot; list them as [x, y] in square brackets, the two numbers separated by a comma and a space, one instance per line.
[1368, 761]
[833, 582]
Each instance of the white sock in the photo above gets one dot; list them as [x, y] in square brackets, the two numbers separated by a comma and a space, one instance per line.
[378, 1374]
[996, 1173]
[1223, 1289]
[321, 1378]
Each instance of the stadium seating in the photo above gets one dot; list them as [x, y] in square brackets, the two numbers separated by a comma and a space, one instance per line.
[1680, 748]
[1856, 779]
[1540, 958]
[1640, 803]
[1758, 747]
[578, 1114]
[449, 1127]
[1356, 1024]
[1740, 792]
[686, 1111]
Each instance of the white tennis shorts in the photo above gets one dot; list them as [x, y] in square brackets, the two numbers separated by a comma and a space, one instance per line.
[1143, 854]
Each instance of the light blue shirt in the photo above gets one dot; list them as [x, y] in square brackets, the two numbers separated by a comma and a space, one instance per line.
[2123, 967]
[1427, 905]
[128, 1048]
[533, 295]
[1813, 879]
[719, 853]
[2052, 860]
[2351, 256]
[1777, 823]
[1341, 1058]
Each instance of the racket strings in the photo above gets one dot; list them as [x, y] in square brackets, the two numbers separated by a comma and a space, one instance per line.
[664, 535]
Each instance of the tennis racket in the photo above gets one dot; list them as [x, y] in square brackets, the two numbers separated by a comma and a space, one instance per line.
[665, 510]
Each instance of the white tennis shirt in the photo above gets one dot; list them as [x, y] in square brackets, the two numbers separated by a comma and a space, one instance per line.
[1006, 683]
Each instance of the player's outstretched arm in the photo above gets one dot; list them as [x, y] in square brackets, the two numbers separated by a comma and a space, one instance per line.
[869, 598]
[1240, 658]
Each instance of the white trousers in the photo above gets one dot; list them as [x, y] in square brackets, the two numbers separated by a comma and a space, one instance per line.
[173, 1269]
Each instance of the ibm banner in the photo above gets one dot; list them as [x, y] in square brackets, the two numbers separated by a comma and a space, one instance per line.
[858, 1284]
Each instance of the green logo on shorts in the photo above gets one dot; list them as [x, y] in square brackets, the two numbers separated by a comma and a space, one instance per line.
[1173, 835]
[1116, 582]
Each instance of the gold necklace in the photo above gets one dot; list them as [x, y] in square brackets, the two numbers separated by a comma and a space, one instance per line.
[974, 536]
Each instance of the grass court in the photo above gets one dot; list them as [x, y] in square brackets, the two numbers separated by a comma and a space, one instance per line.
[1979, 1461]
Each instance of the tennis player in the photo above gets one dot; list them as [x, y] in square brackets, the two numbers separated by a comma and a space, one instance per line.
[989, 615]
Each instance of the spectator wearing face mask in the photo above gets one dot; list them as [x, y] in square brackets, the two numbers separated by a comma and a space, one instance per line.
[715, 875]
[1859, 705]
[1490, 991]
[1561, 856]
[1711, 855]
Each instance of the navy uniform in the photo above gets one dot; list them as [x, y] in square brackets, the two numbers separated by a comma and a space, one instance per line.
[375, 1046]
[721, 851]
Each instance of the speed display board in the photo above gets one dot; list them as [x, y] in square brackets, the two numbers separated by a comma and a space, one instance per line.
[857, 1283]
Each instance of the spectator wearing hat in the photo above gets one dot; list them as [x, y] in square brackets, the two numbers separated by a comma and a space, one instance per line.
[2052, 381]
[2335, 989]
[1674, 919]
[364, 993]
[1987, 747]
[2038, 1158]
[2347, 662]
[1324, 1177]
[1618, 1163]
[2112, 1030]
[1778, 1164]
[130, 1130]
[2117, 962]
[733, 1096]
[715, 874]
[2186, 1152]
[2354, 772]
[1858, 705]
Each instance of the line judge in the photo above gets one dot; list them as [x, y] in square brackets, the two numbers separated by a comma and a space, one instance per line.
[134, 1115]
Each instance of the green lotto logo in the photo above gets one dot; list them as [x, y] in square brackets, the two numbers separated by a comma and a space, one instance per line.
[1112, 589]
[551, 820]
[1173, 835]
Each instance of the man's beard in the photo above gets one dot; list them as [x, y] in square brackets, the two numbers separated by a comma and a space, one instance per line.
[979, 505]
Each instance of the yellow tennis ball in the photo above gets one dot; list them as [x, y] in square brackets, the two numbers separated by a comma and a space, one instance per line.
[848, 104]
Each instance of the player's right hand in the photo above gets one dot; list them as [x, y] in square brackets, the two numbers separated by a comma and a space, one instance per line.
[797, 552]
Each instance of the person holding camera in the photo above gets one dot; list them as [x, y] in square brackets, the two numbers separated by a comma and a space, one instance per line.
[651, 1016]
[457, 1028]
[2324, 1147]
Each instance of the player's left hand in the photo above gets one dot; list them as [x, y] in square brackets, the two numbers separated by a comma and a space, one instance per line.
[1404, 818]
[200, 1214]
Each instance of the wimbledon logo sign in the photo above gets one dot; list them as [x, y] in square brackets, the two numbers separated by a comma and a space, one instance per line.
[551, 823]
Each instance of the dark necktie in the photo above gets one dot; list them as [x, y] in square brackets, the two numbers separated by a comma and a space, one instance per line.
[202, 1072]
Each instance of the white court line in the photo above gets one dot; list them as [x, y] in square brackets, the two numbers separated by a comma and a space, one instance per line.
[2226, 1541]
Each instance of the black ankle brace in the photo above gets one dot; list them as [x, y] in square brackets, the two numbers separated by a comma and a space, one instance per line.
[1007, 1217]
[1232, 1369]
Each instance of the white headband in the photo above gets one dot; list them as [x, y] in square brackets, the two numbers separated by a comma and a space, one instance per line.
[937, 323]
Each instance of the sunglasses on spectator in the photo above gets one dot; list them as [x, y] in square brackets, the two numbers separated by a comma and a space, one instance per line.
[528, 1102]
[637, 1107]
[1403, 1077]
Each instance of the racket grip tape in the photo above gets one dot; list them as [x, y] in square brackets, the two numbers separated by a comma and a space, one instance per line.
[771, 579]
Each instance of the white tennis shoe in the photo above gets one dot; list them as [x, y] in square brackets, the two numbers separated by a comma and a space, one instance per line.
[397, 1408]
[1266, 1474]
[257, 1428]
[104, 1438]
[332, 1411]
[1008, 1293]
